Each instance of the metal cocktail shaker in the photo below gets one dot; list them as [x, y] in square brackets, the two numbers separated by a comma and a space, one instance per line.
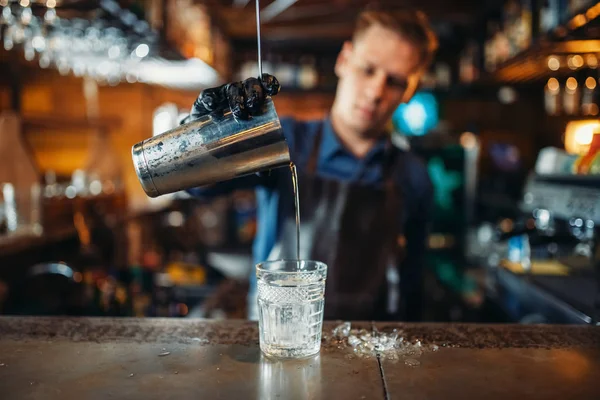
[214, 148]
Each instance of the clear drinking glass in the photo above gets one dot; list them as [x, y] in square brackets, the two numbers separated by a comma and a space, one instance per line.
[291, 297]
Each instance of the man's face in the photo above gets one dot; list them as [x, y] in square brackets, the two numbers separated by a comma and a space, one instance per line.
[376, 72]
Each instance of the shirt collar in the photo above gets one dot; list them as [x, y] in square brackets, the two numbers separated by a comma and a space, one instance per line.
[331, 145]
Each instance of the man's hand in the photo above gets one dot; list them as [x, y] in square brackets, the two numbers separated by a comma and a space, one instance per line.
[244, 99]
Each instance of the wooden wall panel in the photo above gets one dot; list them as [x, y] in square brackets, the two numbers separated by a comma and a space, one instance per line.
[59, 150]
[39, 99]
[303, 106]
[5, 98]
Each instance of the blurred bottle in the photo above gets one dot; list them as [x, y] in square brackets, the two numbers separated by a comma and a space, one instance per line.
[589, 88]
[510, 17]
[552, 97]
[468, 71]
[103, 168]
[284, 71]
[51, 188]
[244, 210]
[443, 75]
[524, 26]
[10, 207]
[490, 55]
[590, 99]
[518, 25]
[212, 222]
[501, 47]
[19, 174]
[571, 96]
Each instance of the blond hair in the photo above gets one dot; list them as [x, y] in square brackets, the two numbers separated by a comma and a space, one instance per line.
[412, 26]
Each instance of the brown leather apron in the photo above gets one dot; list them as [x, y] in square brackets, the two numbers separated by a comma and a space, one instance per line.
[353, 228]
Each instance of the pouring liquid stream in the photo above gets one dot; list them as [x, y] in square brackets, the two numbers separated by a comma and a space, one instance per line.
[260, 72]
[296, 207]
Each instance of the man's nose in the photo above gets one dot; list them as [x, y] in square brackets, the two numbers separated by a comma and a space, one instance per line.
[376, 87]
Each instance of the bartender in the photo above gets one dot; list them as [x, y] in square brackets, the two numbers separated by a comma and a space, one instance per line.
[365, 204]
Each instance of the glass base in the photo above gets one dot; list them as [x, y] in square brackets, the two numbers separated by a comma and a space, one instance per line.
[290, 353]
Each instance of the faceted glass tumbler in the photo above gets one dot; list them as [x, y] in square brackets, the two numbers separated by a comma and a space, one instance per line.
[291, 297]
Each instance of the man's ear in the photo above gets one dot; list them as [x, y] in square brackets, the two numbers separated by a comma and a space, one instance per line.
[342, 58]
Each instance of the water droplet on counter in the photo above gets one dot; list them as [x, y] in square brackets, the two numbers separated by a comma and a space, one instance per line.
[411, 362]
[218, 368]
[166, 353]
[176, 372]
[130, 375]
[2, 365]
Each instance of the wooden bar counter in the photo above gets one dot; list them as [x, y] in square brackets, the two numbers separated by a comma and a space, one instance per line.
[107, 358]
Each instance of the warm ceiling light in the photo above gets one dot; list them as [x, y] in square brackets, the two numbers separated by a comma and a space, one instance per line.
[51, 3]
[553, 84]
[591, 60]
[590, 83]
[24, 3]
[571, 83]
[575, 61]
[553, 63]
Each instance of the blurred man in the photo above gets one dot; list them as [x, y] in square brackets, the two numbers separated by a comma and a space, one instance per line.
[365, 204]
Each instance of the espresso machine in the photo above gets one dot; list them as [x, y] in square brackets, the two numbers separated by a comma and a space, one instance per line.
[546, 269]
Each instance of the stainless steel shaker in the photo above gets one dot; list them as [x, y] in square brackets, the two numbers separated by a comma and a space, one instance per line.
[214, 148]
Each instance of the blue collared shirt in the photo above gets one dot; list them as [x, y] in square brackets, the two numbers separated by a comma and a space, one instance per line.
[275, 200]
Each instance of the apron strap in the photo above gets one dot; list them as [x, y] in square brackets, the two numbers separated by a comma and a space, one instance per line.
[393, 198]
[314, 153]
